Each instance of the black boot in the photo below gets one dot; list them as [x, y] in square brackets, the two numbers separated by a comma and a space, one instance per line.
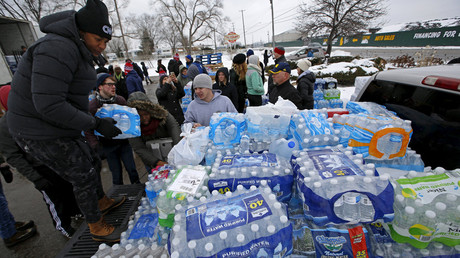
[7, 174]
[23, 225]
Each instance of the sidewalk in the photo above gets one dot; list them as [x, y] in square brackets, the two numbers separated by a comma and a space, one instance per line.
[26, 203]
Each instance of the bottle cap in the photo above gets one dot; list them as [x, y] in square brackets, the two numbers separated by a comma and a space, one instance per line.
[277, 205]
[350, 179]
[284, 219]
[177, 217]
[430, 214]
[367, 179]
[191, 244]
[175, 254]
[240, 238]
[271, 229]
[334, 181]
[208, 247]
[291, 144]
[440, 206]
[176, 228]
[451, 197]
[254, 227]
[400, 198]
[317, 184]
[223, 235]
[409, 210]
[176, 241]
[228, 194]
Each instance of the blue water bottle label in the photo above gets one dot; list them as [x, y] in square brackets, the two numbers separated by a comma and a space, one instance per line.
[246, 160]
[145, 226]
[211, 218]
[330, 163]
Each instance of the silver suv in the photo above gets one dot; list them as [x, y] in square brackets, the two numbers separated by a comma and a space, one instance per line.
[303, 53]
[430, 98]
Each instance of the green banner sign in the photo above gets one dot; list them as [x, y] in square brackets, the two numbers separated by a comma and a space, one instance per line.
[446, 36]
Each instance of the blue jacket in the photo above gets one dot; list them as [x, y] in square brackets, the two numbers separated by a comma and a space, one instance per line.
[134, 82]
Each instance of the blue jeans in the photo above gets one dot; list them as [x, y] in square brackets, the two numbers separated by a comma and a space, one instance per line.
[7, 228]
[117, 153]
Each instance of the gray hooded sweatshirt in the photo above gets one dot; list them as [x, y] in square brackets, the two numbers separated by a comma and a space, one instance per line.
[200, 111]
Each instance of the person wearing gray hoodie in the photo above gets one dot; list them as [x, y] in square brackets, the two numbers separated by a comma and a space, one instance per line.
[207, 102]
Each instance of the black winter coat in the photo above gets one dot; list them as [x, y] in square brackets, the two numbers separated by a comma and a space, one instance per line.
[241, 88]
[305, 86]
[286, 91]
[271, 85]
[49, 92]
[170, 99]
[228, 89]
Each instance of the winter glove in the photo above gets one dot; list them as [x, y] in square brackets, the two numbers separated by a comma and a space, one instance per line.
[106, 127]
[42, 184]
[6, 173]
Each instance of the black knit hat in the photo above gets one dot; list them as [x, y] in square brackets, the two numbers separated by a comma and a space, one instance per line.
[94, 18]
[239, 58]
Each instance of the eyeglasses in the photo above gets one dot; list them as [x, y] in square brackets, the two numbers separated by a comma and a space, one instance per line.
[109, 84]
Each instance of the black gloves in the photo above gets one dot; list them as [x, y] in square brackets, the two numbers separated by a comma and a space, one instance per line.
[6, 172]
[106, 127]
[42, 184]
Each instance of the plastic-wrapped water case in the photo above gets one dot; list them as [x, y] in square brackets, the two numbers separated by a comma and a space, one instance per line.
[128, 120]
[186, 184]
[311, 128]
[267, 122]
[226, 128]
[368, 108]
[310, 240]
[337, 187]
[427, 208]
[247, 223]
[251, 169]
[188, 96]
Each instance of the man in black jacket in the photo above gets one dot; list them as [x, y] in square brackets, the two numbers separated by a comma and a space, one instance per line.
[48, 106]
[283, 87]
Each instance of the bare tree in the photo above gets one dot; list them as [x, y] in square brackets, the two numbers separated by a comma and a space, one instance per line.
[148, 29]
[190, 19]
[32, 10]
[338, 17]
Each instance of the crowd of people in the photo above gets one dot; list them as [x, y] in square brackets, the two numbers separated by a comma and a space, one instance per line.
[47, 107]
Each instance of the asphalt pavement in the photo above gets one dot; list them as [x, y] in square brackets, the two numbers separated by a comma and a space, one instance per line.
[26, 203]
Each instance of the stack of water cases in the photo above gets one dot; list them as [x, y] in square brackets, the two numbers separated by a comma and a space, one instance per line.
[427, 209]
[311, 129]
[246, 223]
[309, 240]
[230, 171]
[182, 186]
[326, 94]
[336, 187]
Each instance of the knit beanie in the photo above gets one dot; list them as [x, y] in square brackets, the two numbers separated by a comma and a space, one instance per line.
[101, 78]
[189, 57]
[4, 91]
[249, 53]
[280, 50]
[303, 64]
[94, 18]
[253, 60]
[192, 71]
[239, 59]
[128, 67]
[176, 57]
[202, 81]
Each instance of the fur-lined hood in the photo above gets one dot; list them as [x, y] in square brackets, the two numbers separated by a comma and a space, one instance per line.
[139, 100]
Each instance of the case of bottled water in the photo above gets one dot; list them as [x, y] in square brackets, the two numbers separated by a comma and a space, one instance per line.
[156, 182]
[186, 184]
[332, 94]
[246, 223]
[320, 84]
[427, 208]
[252, 169]
[337, 187]
[410, 162]
[369, 108]
[309, 240]
[226, 128]
[188, 96]
[267, 122]
[128, 120]
[311, 129]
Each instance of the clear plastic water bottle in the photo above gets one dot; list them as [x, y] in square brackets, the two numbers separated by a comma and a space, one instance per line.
[350, 206]
[123, 122]
[366, 209]
[244, 144]
[283, 148]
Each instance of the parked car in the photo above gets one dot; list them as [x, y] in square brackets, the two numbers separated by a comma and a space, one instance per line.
[303, 53]
[430, 98]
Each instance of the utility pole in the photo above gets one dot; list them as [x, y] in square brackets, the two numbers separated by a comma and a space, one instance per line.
[244, 31]
[273, 25]
[121, 29]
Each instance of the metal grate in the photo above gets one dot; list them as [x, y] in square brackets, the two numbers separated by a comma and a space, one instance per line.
[81, 244]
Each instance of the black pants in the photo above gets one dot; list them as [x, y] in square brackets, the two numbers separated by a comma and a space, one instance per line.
[75, 162]
[255, 100]
[60, 200]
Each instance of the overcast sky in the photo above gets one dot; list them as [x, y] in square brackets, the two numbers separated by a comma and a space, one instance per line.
[257, 14]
